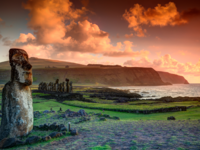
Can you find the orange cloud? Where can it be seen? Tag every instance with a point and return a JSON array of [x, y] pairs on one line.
[[48, 18], [128, 35], [25, 37], [159, 16]]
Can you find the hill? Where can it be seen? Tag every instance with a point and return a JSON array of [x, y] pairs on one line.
[[47, 70], [44, 63]]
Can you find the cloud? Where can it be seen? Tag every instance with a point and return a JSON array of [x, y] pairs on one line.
[[48, 18], [158, 16], [167, 63], [129, 35], [56, 24], [6, 41]]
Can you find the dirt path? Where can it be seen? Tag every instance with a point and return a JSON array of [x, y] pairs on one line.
[[130, 135]]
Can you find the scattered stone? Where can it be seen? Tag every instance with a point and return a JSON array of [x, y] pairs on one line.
[[103, 119], [36, 114], [107, 116], [99, 114], [82, 112], [52, 111], [64, 133], [53, 126], [68, 110], [46, 138], [19, 143], [171, 118], [116, 118], [74, 132], [54, 135], [46, 111], [33, 139]]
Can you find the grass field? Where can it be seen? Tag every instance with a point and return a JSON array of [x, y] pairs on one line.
[[133, 131]]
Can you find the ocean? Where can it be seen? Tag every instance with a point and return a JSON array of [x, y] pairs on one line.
[[154, 92]]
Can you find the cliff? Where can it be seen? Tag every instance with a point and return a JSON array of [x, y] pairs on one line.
[[172, 78]]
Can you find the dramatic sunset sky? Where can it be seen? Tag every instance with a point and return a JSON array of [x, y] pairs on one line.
[[161, 34]]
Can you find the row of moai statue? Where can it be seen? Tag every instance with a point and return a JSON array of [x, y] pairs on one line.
[[59, 87]]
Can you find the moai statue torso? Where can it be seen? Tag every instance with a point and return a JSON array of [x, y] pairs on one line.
[[70, 87], [67, 85], [57, 84], [17, 107], [63, 87]]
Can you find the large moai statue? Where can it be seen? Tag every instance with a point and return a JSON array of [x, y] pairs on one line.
[[17, 105], [67, 85], [70, 87]]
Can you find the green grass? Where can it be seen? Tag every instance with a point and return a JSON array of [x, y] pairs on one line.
[[105, 147], [131, 107], [40, 94], [192, 113]]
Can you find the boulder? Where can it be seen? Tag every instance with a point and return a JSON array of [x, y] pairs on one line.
[[74, 132], [8, 142], [46, 138], [171, 118], [53, 126], [55, 135], [33, 139]]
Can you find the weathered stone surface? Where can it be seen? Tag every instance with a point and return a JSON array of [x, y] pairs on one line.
[[17, 109], [33, 139]]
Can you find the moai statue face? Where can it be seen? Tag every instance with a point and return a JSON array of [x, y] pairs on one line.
[[21, 68]]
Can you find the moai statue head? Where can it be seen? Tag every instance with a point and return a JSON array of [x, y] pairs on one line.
[[67, 80], [57, 81], [21, 69]]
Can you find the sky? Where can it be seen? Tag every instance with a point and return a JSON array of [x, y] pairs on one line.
[[164, 35]]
